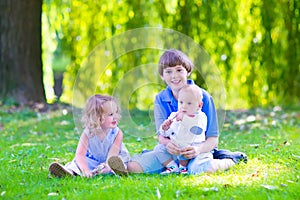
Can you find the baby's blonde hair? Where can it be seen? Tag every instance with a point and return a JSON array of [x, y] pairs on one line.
[[93, 112], [193, 89]]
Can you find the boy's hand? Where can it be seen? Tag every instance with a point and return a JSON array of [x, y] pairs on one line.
[[189, 152], [172, 148]]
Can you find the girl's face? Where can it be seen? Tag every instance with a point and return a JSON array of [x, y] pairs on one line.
[[110, 115], [188, 103], [175, 77]]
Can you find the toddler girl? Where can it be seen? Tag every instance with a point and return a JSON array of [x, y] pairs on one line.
[[100, 148]]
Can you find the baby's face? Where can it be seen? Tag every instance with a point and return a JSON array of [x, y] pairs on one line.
[[188, 103]]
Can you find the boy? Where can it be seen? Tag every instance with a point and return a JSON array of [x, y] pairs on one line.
[[174, 68]]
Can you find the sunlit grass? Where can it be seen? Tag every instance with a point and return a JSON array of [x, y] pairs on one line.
[[30, 141]]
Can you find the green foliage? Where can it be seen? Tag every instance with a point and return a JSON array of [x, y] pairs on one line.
[[30, 141], [255, 46], [8, 102]]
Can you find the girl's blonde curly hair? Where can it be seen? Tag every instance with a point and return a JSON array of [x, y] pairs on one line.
[[93, 112]]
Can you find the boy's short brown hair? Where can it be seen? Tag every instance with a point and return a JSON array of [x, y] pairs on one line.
[[172, 58]]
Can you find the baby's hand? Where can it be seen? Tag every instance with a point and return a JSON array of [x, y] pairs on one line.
[[179, 116], [167, 124]]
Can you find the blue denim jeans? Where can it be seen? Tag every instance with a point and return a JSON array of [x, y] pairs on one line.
[[151, 161]]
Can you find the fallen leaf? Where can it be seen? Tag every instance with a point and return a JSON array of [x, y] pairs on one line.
[[254, 145], [251, 118], [64, 122], [28, 144], [290, 181], [211, 189], [158, 193], [53, 194], [269, 187], [286, 143]]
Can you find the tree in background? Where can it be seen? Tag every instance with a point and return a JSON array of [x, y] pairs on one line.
[[21, 76], [254, 43]]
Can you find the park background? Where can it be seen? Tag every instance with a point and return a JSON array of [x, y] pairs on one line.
[[254, 44]]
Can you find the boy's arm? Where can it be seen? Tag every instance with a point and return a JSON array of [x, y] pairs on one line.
[[212, 129], [158, 115], [209, 144], [163, 140]]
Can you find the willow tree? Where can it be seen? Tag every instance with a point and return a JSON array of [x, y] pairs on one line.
[[20, 46], [255, 46]]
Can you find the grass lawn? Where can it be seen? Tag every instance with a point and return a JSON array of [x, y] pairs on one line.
[[30, 141]]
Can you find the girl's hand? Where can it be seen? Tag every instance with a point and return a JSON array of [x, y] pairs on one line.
[[106, 169], [172, 148], [87, 173], [98, 169], [189, 152]]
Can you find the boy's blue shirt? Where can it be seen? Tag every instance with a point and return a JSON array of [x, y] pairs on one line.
[[165, 104]]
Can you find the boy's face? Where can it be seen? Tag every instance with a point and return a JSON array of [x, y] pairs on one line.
[[175, 77], [188, 103]]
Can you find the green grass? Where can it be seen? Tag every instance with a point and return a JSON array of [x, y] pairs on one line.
[[30, 141]]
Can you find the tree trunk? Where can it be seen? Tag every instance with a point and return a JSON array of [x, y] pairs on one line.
[[21, 77]]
